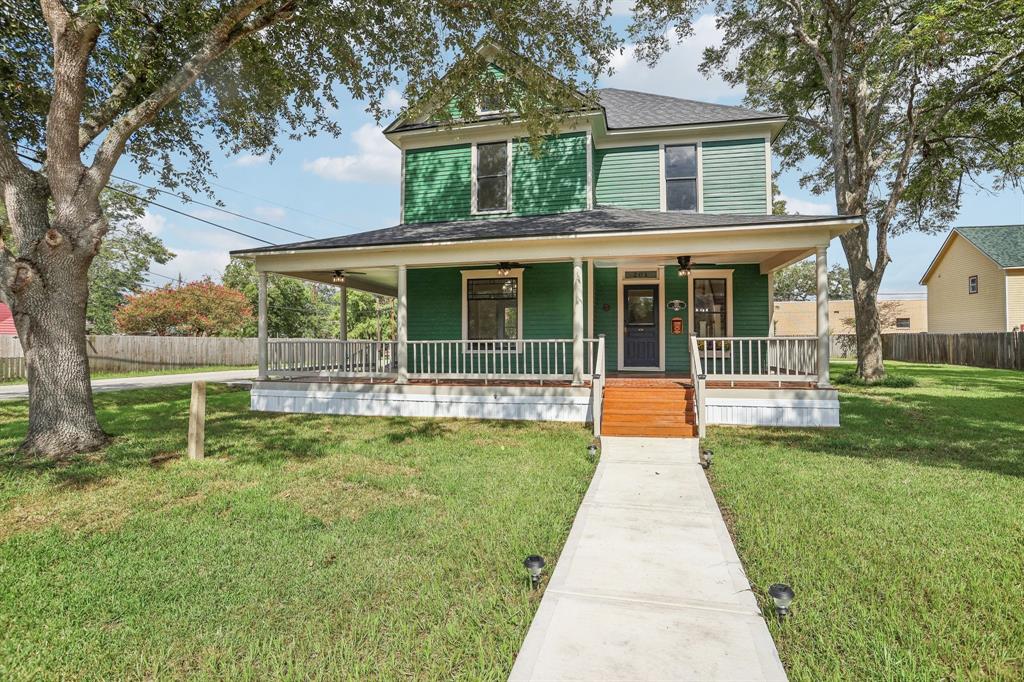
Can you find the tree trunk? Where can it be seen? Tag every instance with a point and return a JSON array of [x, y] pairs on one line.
[[870, 366]]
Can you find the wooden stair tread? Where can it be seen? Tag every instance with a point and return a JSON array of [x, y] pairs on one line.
[[648, 407]]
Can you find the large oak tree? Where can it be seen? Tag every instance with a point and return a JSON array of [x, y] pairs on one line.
[[896, 106], [85, 84]]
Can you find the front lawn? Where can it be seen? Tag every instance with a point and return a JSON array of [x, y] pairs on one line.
[[902, 532], [304, 546]]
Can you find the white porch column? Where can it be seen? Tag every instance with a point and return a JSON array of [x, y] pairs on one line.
[[343, 313], [577, 321], [821, 268], [261, 326], [401, 324]]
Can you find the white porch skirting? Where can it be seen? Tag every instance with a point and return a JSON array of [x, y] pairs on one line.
[[773, 407], [538, 403]]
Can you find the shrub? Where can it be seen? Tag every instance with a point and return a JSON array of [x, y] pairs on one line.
[[890, 380]]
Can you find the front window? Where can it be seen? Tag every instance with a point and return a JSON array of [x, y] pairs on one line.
[[972, 284], [492, 308], [681, 177], [710, 314], [491, 182]]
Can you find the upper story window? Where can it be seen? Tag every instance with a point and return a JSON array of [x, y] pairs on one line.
[[491, 104], [681, 177], [972, 284], [903, 323], [491, 179]]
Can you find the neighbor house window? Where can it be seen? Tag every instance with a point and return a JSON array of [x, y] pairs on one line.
[[491, 179], [492, 307], [681, 177], [710, 307], [972, 284], [903, 323]]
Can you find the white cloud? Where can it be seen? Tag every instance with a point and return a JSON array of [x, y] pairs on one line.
[[393, 99], [209, 214], [200, 250], [153, 223], [247, 160], [270, 212], [805, 207], [676, 73], [622, 8], [376, 161]]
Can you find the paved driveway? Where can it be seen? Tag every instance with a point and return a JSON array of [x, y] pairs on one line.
[[649, 586], [20, 391]]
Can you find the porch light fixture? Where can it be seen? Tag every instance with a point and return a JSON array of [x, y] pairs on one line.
[[338, 277], [534, 564], [684, 265], [705, 458], [782, 594], [504, 268]]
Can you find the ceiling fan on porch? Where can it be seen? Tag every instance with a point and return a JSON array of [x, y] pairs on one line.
[[339, 275]]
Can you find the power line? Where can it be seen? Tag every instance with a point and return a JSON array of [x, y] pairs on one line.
[[146, 200], [290, 208], [189, 199]]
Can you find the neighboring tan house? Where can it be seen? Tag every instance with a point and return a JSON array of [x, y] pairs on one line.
[[976, 281], [797, 318], [602, 280]]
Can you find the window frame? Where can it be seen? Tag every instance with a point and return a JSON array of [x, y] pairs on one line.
[[511, 345], [665, 179], [973, 286], [701, 273], [475, 154]]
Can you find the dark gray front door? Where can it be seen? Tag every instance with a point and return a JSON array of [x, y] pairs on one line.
[[640, 325]]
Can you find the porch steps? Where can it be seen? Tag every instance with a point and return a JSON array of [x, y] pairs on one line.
[[648, 407]]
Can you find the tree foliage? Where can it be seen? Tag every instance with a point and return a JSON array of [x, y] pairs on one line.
[[200, 308], [799, 282], [125, 256], [897, 105]]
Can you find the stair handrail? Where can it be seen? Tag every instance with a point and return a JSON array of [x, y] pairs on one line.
[[699, 380]]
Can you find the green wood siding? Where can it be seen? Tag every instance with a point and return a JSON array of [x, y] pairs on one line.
[[606, 322], [438, 180], [628, 177], [437, 183], [734, 176], [677, 346]]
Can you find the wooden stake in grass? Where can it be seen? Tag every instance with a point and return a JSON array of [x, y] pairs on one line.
[[197, 421]]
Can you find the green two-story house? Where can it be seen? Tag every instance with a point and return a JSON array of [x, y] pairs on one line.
[[623, 276]]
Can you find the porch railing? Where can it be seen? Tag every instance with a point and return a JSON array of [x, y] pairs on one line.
[[782, 358], [699, 385], [331, 357], [526, 359]]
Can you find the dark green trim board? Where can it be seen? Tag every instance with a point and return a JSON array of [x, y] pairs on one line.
[[734, 179], [677, 346], [438, 180], [628, 177]]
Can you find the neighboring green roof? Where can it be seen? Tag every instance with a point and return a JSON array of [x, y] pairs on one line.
[[1002, 243]]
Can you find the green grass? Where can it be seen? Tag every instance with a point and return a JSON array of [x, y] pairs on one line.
[[902, 532], [302, 547], [149, 372]]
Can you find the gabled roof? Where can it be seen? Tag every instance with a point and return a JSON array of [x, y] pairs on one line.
[[1002, 244], [634, 109], [596, 221]]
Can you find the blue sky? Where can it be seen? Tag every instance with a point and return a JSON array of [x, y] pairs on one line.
[[325, 186]]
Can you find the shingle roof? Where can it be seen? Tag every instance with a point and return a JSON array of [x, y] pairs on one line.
[[1002, 243], [633, 109], [596, 221]]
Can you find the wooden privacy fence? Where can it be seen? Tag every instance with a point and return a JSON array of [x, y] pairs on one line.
[[999, 350], [136, 353]]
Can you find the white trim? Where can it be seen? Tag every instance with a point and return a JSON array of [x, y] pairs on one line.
[[492, 274], [659, 282], [768, 172], [700, 273], [661, 179], [401, 193], [590, 298], [628, 137], [508, 179], [590, 170], [700, 176], [771, 303]]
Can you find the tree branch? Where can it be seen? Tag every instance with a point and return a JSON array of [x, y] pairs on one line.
[[228, 31]]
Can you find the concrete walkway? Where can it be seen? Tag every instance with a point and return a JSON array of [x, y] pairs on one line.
[[20, 391], [649, 586]]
